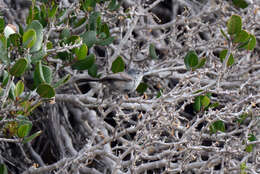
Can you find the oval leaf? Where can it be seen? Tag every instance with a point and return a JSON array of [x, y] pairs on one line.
[[62, 81], [104, 42], [201, 63], [5, 78], [118, 65], [240, 3], [85, 63], [234, 24], [19, 87], [105, 29], [219, 126], [19, 67], [222, 56], [89, 38], [152, 52], [197, 104], [251, 43], [37, 27], [93, 20], [47, 73], [24, 130], [205, 101], [38, 55], [45, 91], [92, 71], [3, 50], [191, 60], [242, 36], [38, 76], [15, 39], [141, 88], [29, 38], [11, 94], [82, 53]]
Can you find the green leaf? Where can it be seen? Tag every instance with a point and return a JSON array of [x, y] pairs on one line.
[[113, 5], [197, 103], [21, 31], [92, 71], [49, 45], [249, 148], [198, 91], [45, 91], [39, 55], [250, 45], [159, 94], [30, 16], [65, 33], [142, 87], [105, 29], [205, 101], [2, 24], [242, 118], [93, 20], [118, 65], [224, 34], [30, 138], [29, 38], [38, 76], [3, 169], [243, 166], [47, 73], [152, 52], [80, 22], [15, 39], [104, 42], [5, 77], [240, 3], [19, 67], [37, 27], [234, 24], [82, 53], [53, 11], [85, 63], [19, 87], [24, 130], [222, 56], [201, 63], [89, 5], [242, 36], [214, 105], [217, 126], [3, 50], [191, 60], [89, 38], [251, 137], [62, 81], [11, 94]]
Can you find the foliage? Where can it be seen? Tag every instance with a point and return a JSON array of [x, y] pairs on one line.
[[35, 68]]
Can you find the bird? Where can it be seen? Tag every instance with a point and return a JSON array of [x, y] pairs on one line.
[[124, 82]]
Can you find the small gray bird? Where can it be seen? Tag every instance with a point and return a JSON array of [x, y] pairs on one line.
[[122, 82]]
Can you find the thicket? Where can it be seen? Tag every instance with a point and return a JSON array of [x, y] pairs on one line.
[[196, 110]]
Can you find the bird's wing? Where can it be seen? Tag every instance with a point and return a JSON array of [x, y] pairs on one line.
[[118, 76]]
